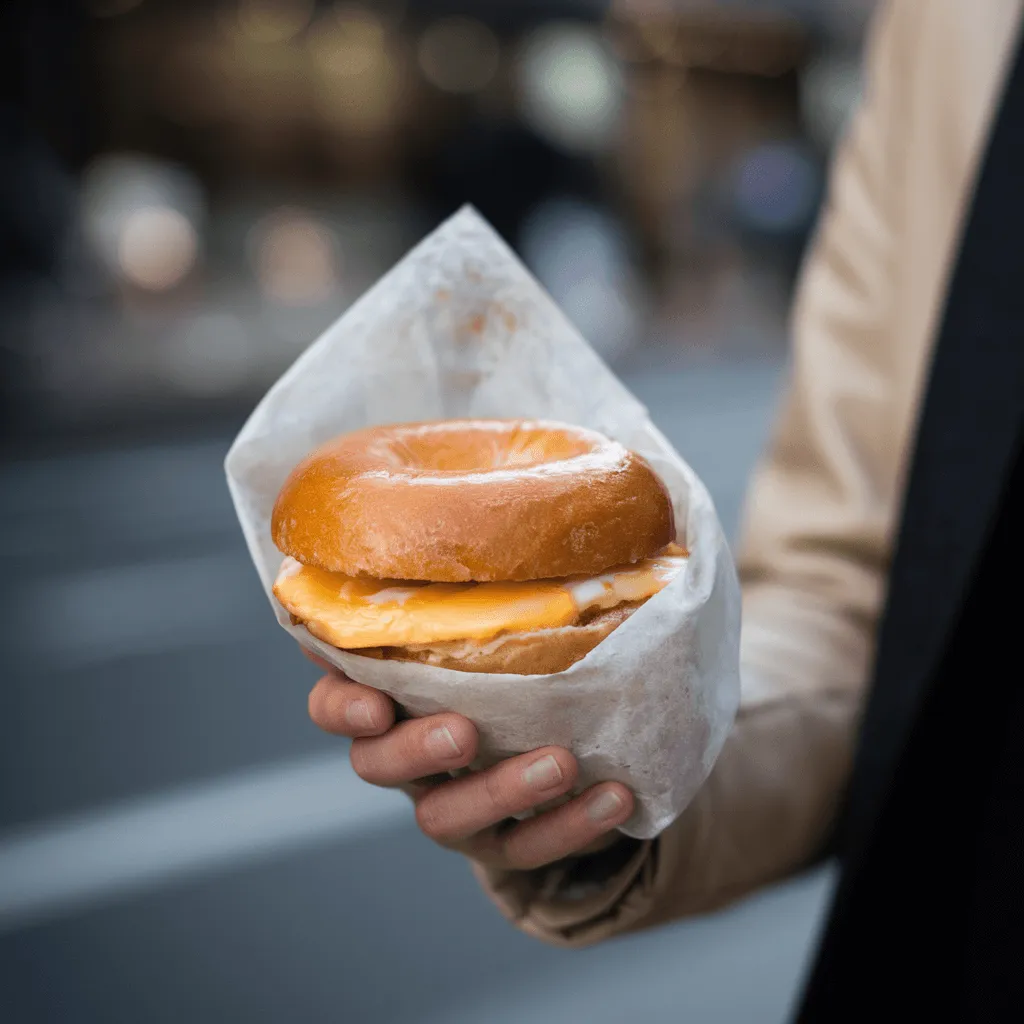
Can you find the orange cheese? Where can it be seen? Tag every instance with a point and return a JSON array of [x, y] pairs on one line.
[[349, 612]]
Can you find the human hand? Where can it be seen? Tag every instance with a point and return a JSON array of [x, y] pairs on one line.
[[473, 813]]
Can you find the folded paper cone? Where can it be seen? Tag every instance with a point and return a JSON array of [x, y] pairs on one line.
[[460, 330]]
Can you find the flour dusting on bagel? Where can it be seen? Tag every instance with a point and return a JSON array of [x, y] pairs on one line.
[[480, 545]]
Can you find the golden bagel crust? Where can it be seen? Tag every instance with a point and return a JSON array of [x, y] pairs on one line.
[[472, 500], [533, 653]]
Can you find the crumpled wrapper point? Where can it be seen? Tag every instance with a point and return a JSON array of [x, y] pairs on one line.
[[459, 328]]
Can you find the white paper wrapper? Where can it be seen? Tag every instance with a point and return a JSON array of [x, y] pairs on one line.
[[460, 328]]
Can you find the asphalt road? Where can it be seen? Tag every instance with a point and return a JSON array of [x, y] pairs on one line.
[[178, 843]]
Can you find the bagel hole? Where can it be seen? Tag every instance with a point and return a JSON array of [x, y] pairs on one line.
[[473, 451]]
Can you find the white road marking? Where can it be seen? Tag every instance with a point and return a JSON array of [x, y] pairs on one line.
[[66, 865]]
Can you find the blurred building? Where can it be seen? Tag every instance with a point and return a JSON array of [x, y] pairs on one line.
[[194, 190]]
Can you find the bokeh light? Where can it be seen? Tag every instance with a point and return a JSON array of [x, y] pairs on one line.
[[459, 55], [348, 42], [358, 85], [143, 218], [295, 258], [157, 247], [579, 253], [570, 85], [776, 188]]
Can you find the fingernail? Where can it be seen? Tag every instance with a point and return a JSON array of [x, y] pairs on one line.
[[604, 806], [359, 716], [543, 773], [442, 743]]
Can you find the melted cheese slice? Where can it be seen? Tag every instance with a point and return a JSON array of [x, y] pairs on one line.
[[353, 613]]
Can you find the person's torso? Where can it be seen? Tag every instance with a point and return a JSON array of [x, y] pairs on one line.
[[930, 912]]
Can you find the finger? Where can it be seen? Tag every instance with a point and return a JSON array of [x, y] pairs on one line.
[[340, 706], [414, 749], [557, 834], [465, 806]]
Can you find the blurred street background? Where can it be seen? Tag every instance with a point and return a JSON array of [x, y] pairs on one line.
[[189, 193]]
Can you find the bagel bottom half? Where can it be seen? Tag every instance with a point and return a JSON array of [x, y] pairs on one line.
[[536, 652]]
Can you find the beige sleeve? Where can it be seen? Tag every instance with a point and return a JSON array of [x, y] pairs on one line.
[[812, 561]]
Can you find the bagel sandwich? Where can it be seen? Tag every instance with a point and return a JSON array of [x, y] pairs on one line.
[[478, 545]]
